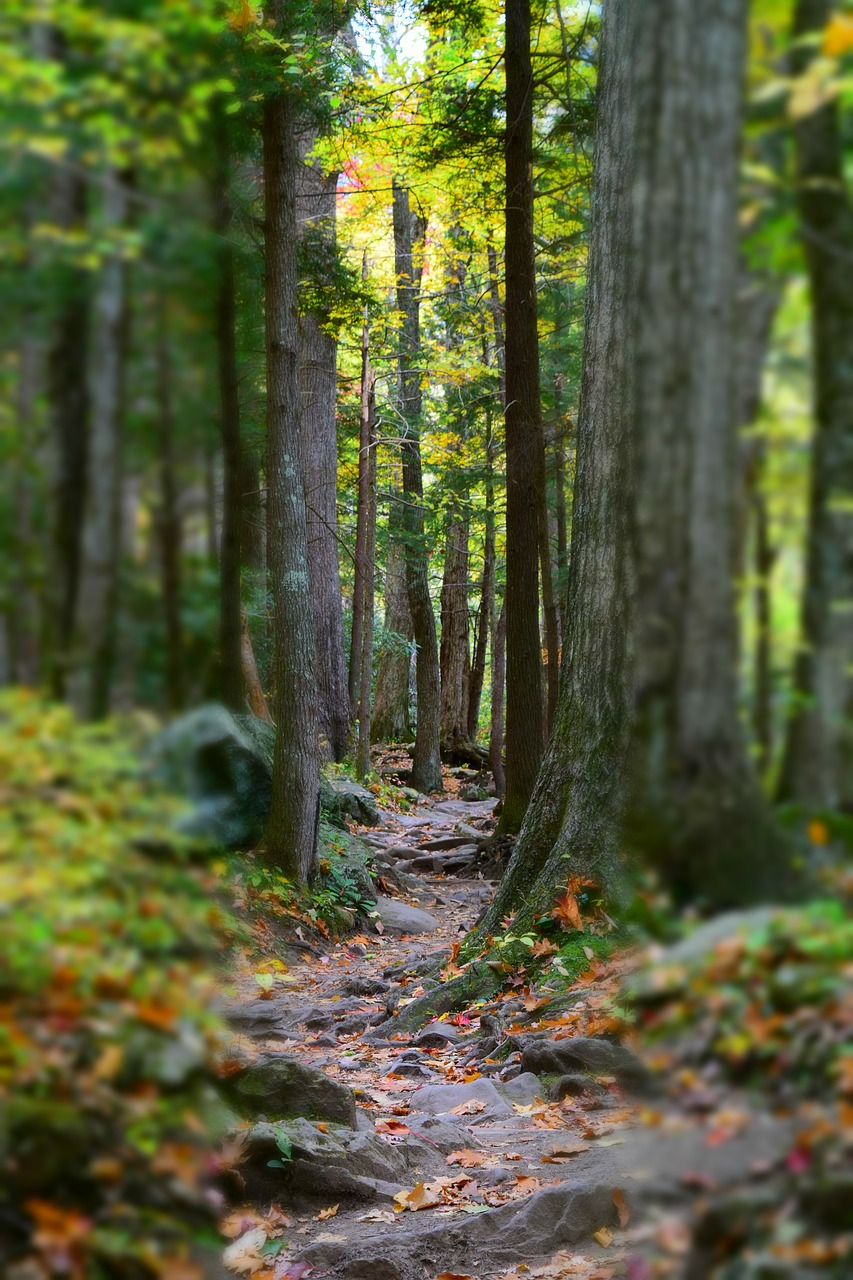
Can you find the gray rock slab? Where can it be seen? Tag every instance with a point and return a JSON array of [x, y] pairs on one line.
[[399, 918], [441, 1099], [523, 1090], [280, 1086], [581, 1053]]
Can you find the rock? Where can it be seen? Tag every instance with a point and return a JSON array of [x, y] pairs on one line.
[[209, 756], [403, 852], [573, 1086], [441, 1099], [436, 1035], [335, 1164], [318, 1020], [537, 1226], [669, 973], [256, 1015], [340, 798], [523, 1089], [443, 842], [366, 986], [481, 837], [412, 1071], [599, 1057], [398, 917], [280, 1086]]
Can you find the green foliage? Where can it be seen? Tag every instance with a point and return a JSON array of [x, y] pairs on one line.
[[110, 926]]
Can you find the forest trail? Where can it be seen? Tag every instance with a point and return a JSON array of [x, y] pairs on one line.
[[454, 1162]]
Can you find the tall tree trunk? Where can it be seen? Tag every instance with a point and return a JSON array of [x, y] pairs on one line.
[[291, 835], [212, 526], [316, 206], [455, 658], [366, 674], [232, 683], [549, 603], [170, 524], [95, 619], [764, 560], [391, 720], [561, 428], [818, 764], [487, 597], [496, 732], [23, 619], [524, 726], [363, 514], [409, 233], [647, 752], [68, 424]]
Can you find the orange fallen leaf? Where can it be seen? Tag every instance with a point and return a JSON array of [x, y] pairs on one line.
[[325, 1214], [622, 1207], [470, 1108], [467, 1159], [604, 1236]]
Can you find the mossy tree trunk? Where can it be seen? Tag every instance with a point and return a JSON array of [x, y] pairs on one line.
[[818, 765], [646, 756], [409, 235], [291, 835]]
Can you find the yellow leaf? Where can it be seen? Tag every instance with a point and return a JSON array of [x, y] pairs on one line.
[[838, 35], [818, 832], [324, 1214], [604, 1236], [245, 16]]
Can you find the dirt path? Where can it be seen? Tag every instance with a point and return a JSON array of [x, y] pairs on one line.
[[494, 1140]]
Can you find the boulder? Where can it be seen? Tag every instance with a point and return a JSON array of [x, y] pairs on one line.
[[210, 758], [223, 764], [598, 1057], [278, 1087], [442, 1099], [399, 918]]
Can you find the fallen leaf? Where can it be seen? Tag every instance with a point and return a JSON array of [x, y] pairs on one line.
[[470, 1108], [393, 1128], [567, 912], [467, 1159], [244, 1255], [622, 1207], [604, 1236], [564, 1151], [327, 1213]]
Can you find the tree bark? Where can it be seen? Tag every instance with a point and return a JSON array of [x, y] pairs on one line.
[[524, 721], [647, 753], [316, 209], [366, 654], [818, 765], [169, 524], [496, 731], [485, 613], [561, 428], [409, 233], [362, 516], [95, 620], [291, 835], [455, 658], [68, 425], [232, 684], [391, 719], [255, 696]]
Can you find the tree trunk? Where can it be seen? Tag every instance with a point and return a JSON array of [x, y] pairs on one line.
[[68, 423], [561, 428], [647, 752], [24, 614], [409, 233], [524, 722], [255, 696], [232, 685], [764, 560], [318, 383], [455, 656], [485, 614], [496, 734], [366, 655], [95, 619], [391, 720], [362, 515], [818, 765], [291, 835], [170, 525]]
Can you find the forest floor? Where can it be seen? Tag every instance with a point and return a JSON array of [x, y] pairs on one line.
[[520, 1137]]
